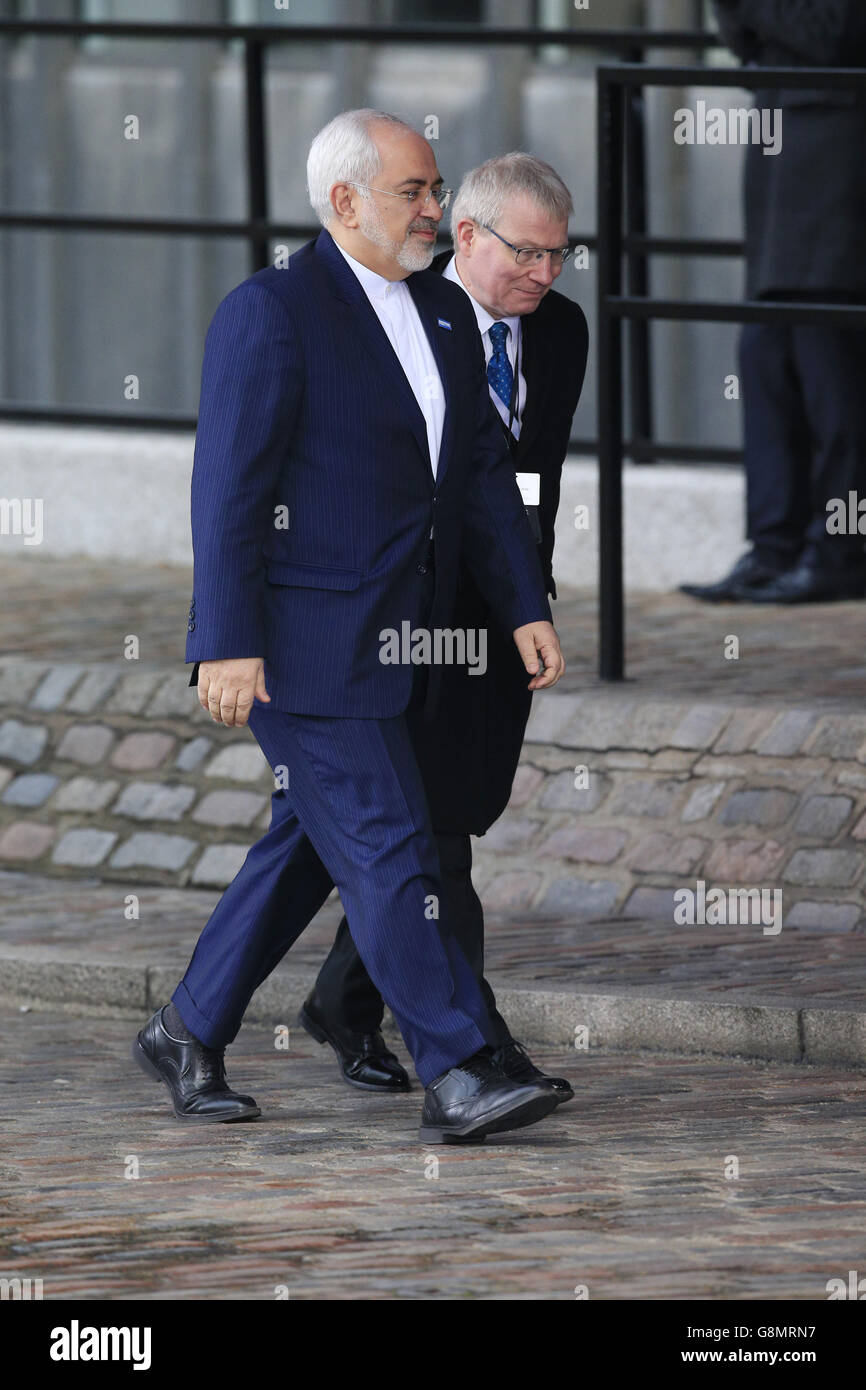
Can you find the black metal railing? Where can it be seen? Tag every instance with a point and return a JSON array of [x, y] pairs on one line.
[[615, 308], [258, 230]]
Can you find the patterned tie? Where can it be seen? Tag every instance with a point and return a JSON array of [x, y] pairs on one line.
[[500, 374]]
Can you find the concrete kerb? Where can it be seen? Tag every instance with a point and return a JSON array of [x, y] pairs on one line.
[[627, 1020]]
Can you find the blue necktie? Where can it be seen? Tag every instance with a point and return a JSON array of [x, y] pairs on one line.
[[500, 374]]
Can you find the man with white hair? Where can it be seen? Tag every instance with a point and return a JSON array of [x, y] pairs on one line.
[[345, 453], [508, 214]]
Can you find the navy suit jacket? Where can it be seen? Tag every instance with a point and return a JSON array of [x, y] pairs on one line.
[[307, 416]]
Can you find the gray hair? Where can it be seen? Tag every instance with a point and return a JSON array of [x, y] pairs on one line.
[[344, 151], [485, 191]]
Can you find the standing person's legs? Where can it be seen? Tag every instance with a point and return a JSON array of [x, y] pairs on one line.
[[357, 798], [831, 364], [777, 445]]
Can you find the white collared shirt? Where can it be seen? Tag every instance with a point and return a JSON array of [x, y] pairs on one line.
[[485, 319], [395, 310]]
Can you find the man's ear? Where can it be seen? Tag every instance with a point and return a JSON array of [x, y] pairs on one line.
[[467, 235], [341, 202]]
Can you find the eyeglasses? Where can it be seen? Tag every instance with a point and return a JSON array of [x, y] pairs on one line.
[[413, 196], [528, 255]]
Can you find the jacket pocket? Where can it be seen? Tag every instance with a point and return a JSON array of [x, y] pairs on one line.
[[311, 576]]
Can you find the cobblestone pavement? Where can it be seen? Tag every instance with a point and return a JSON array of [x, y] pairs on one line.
[[74, 609], [329, 1195], [73, 922]]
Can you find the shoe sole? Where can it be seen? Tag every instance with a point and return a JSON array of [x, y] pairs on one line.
[[317, 1034], [140, 1056], [507, 1117]]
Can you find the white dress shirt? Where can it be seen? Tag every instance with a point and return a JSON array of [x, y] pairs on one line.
[[485, 319], [395, 310]]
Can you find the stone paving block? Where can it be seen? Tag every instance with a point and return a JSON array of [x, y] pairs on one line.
[[5, 776], [153, 801], [560, 793], [173, 696], [229, 808], [30, 789], [85, 794], [599, 726], [85, 743], [626, 759], [764, 806], [743, 730], [859, 831], [22, 743], [153, 851], [837, 736], [549, 718], [510, 833], [787, 733], [527, 780], [94, 689], [133, 692], [665, 853], [824, 868], [219, 864], [651, 904], [744, 862], [26, 840], [239, 762], [580, 898], [83, 848], [53, 689], [645, 796], [823, 816], [834, 1036], [702, 801], [837, 917], [512, 891], [701, 727], [140, 752], [593, 845], [651, 725], [192, 753], [18, 680]]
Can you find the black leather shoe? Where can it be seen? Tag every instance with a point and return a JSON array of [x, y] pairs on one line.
[[363, 1057], [194, 1074], [516, 1063], [810, 584], [476, 1098], [745, 579]]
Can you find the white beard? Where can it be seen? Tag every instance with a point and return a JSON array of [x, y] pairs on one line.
[[407, 255]]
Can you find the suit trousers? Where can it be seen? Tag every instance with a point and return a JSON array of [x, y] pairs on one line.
[[355, 815], [804, 409], [348, 997]]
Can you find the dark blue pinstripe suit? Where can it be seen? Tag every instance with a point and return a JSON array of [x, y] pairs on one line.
[[305, 407]]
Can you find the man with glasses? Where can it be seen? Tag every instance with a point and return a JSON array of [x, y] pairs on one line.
[[348, 394], [510, 233]]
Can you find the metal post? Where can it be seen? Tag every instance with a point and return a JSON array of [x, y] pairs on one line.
[[640, 395], [609, 156], [257, 185]]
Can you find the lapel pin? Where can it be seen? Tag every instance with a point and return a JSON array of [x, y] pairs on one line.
[[443, 323]]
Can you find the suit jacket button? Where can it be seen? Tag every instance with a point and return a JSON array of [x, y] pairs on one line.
[[421, 569], [191, 627]]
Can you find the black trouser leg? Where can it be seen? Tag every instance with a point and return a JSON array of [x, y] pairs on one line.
[[345, 993], [777, 445]]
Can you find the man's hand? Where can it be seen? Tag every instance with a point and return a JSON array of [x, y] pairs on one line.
[[227, 688], [535, 640]]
